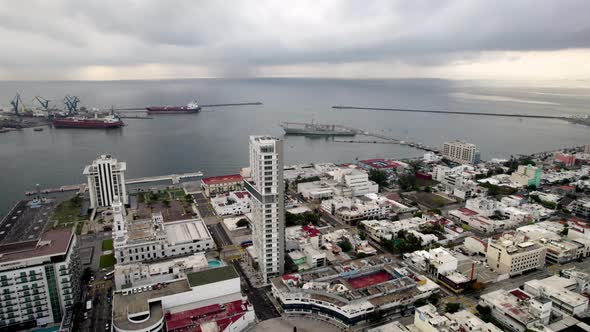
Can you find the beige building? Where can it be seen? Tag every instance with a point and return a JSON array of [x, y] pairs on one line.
[[587, 148], [461, 152], [527, 175], [511, 255]]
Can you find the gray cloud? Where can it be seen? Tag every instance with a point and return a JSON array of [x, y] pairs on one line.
[[238, 36]]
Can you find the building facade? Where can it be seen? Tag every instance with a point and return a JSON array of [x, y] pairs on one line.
[[509, 255], [527, 175], [461, 152], [106, 180], [221, 184], [39, 282], [266, 189]]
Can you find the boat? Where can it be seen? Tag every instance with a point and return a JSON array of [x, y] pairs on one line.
[[316, 129], [38, 129], [107, 122], [192, 107]]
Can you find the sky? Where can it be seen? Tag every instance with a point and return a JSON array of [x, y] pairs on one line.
[[157, 39]]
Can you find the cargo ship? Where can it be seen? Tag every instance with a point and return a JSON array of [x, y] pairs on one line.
[[316, 129], [192, 107], [107, 122]]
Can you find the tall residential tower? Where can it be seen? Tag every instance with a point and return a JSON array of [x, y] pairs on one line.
[[266, 189], [106, 179]]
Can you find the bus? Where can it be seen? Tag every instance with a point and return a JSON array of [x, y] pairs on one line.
[[88, 305], [109, 275]]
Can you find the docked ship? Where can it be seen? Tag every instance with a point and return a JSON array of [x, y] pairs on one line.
[[107, 122], [192, 107], [316, 129]]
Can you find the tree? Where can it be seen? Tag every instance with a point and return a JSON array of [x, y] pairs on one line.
[[375, 316], [407, 182], [532, 187], [434, 298], [427, 189], [345, 245], [565, 231], [362, 235], [452, 307], [243, 223], [379, 177]]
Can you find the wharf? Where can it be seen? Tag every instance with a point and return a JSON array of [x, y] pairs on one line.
[[175, 178]]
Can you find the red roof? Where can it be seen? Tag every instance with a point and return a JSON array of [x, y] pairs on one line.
[[311, 231], [191, 320], [485, 244], [369, 280], [380, 163], [241, 194], [467, 211], [520, 294], [222, 179]]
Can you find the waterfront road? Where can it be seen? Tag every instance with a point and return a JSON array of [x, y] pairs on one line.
[[262, 305]]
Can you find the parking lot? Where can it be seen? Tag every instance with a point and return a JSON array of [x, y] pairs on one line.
[[203, 206]]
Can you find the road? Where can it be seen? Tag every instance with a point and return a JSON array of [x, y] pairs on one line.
[[262, 305], [219, 235], [205, 209]]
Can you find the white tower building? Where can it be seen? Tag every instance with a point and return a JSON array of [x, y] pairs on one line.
[[120, 226], [266, 189], [106, 179]]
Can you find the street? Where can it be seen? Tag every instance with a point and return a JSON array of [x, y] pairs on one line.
[[262, 305]]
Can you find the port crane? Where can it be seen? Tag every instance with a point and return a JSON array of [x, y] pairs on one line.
[[71, 103], [16, 103], [43, 102]]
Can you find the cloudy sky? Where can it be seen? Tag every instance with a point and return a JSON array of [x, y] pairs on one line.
[[148, 39]]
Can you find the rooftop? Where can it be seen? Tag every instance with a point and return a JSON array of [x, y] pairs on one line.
[[55, 242], [222, 179], [222, 314], [25, 221], [213, 275]]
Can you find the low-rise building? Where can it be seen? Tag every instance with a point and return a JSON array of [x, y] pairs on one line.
[[474, 244], [518, 310], [233, 204], [564, 300], [581, 208], [346, 294], [512, 255], [352, 210], [561, 251], [476, 221], [221, 184], [386, 229], [484, 206], [582, 280], [205, 300], [565, 159], [427, 319], [357, 180]]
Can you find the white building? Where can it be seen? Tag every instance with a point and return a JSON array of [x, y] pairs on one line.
[[106, 180], [427, 319], [476, 221], [517, 310], [581, 208], [484, 206], [386, 229], [527, 175], [221, 184], [357, 180], [141, 274], [233, 204], [209, 300], [351, 210], [150, 239], [511, 255], [39, 280], [558, 290], [461, 152], [266, 189], [475, 245]]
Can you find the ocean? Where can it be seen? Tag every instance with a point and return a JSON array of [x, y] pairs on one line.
[[215, 140]]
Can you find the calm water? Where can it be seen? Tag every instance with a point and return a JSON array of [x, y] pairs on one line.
[[215, 141]]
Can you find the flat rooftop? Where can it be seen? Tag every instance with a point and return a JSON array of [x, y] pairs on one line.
[[185, 232], [55, 242], [25, 221], [223, 314], [212, 275], [177, 210]]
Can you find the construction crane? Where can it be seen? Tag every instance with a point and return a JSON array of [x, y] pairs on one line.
[[71, 103], [44, 102], [16, 103]]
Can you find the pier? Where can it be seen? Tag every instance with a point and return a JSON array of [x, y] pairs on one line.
[[174, 178], [534, 116], [143, 108]]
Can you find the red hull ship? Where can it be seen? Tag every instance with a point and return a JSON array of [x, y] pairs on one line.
[[89, 123], [192, 107]]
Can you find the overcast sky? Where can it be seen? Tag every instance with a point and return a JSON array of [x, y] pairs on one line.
[[144, 39]]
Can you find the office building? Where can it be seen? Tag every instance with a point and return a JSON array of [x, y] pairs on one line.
[[512, 255], [266, 189], [517, 310], [150, 239], [565, 301], [357, 180], [527, 175], [461, 152], [106, 179], [581, 208]]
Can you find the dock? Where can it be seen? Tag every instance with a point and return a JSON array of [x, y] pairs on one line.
[[384, 139], [511, 115], [143, 108], [81, 188]]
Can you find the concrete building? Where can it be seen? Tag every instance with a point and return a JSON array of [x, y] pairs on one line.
[[565, 159], [475, 245], [150, 239], [357, 180], [562, 251], [142, 274], [352, 210], [512, 255], [266, 190], [587, 148], [221, 184], [461, 152], [323, 189], [527, 175], [346, 294], [476, 221], [427, 319], [518, 310], [106, 180], [39, 280], [581, 279], [387, 229], [209, 300], [233, 204], [581, 208], [564, 300]]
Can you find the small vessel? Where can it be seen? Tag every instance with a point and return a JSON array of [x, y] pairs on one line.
[[192, 107], [38, 129], [316, 129], [107, 122]]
